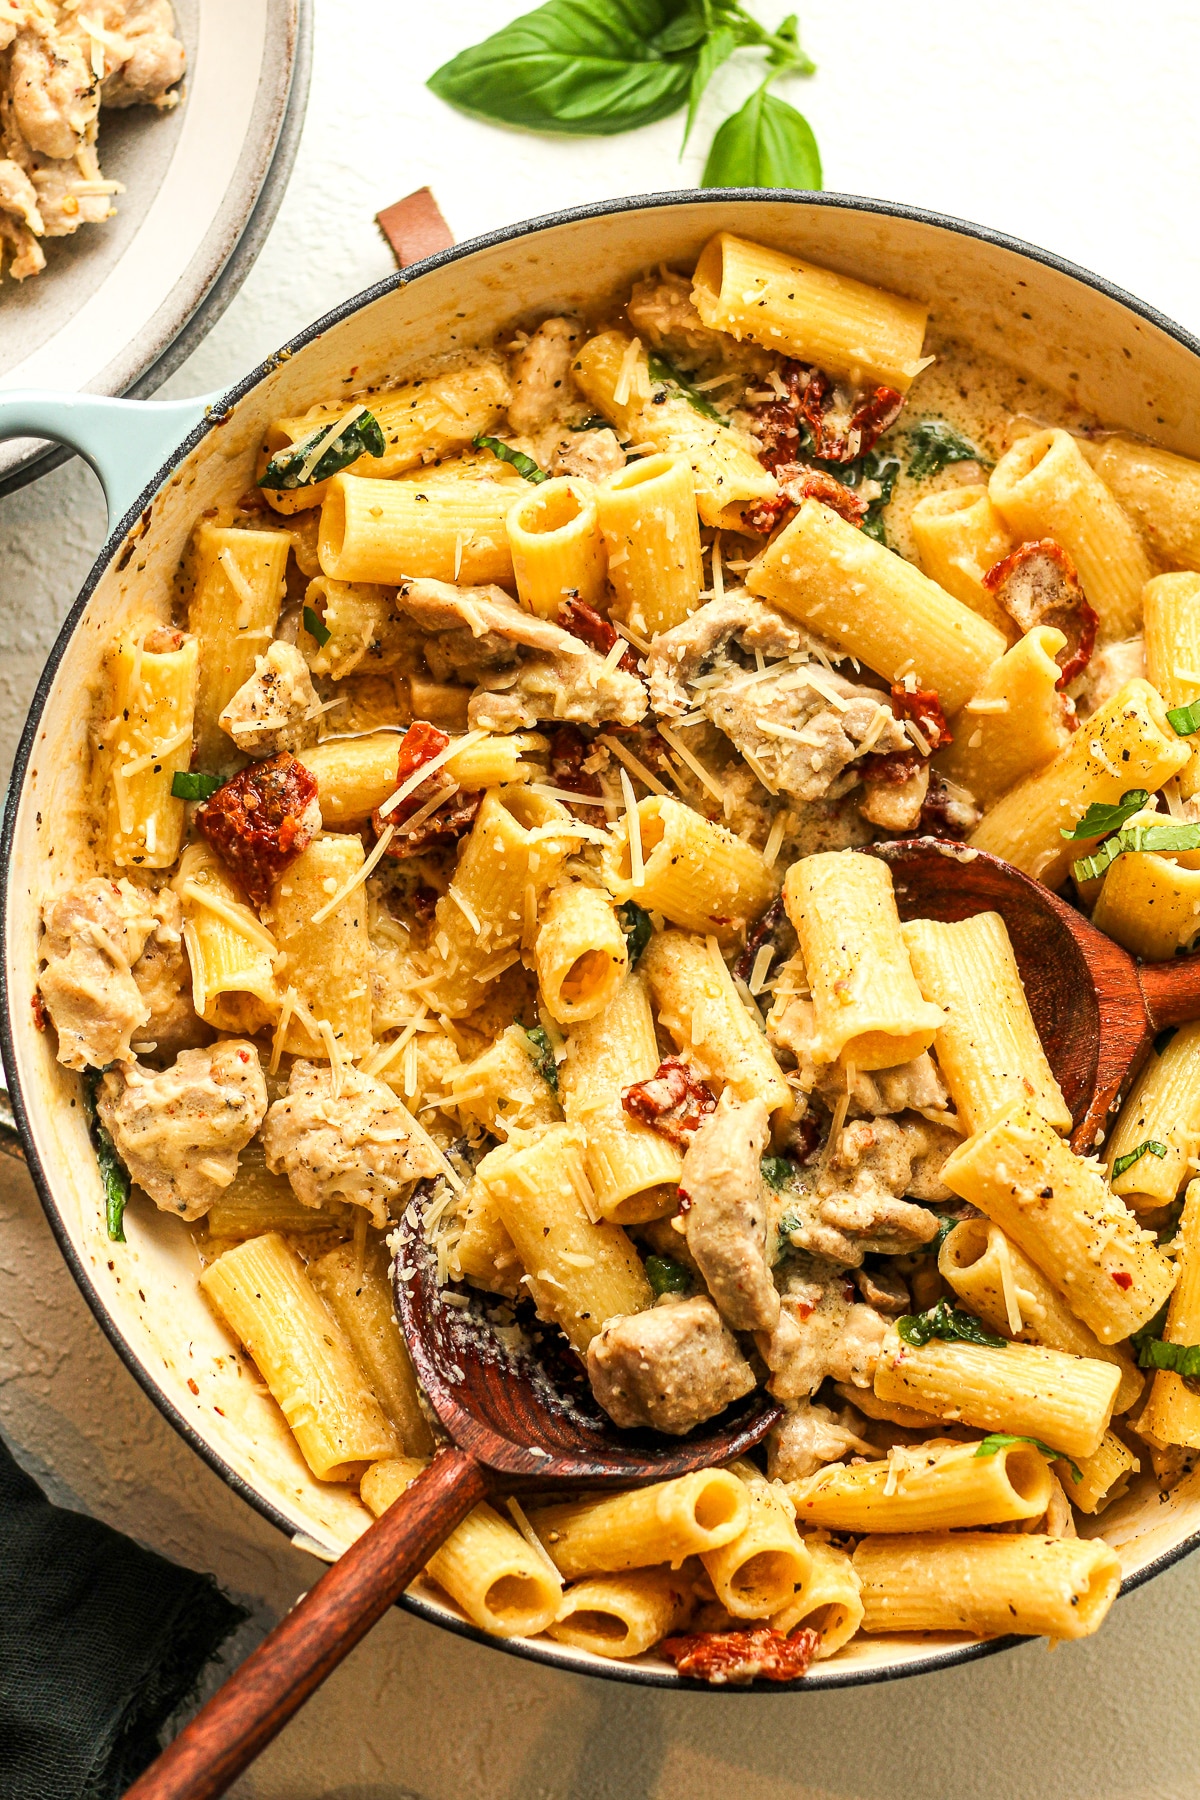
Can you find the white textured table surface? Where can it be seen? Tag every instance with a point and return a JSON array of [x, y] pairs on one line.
[[1071, 125]]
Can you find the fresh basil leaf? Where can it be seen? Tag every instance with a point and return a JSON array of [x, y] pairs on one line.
[[666, 1276], [1152, 1329], [1127, 1161], [1179, 1359], [1100, 819], [945, 1227], [886, 471], [636, 924], [517, 459], [934, 445], [541, 1053], [578, 67], [683, 33], [668, 375], [768, 144], [316, 627], [114, 1176], [1184, 720], [1000, 1440], [948, 1322], [1135, 838], [193, 784], [777, 1171], [716, 49], [361, 436]]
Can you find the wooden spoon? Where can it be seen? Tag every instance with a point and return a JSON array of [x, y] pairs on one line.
[[521, 1415], [1097, 1010]]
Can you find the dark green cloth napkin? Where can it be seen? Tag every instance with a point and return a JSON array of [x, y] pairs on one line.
[[100, 1642]]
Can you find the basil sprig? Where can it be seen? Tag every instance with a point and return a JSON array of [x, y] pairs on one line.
[[193, 784], [1000, 1440], [517, 459], [589, 68], [1101, 818], [1184, 720], [948, 1322], [114, 1177], [316, 626], [1134, 838], [360, 436], [934, 445], [666, 374], [1127, 1161]]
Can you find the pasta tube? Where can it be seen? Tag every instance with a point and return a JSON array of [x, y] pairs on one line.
[[502, 1090], [1171, 626], [1160, 492], [1045, 487], [231, 953], [1163, 1109], [647, 1526], [357, 1290], [557, 549], [1060, 1211], [485, 1565], [696, 1001], [623, 1615], [580, 952], [960, 536], [867, 1006], [237, 590], [828, 1603], [926, 1489], [580, 1273], [1128, 742], [390, 531], [652, 535], [998, 1283], [1066, 1401], [363, 628], [1150, 904], [1172, 1415], [355, 775], [853, 330], [697, 873], [987, 1046], [987, 1583], [262, 1292], [1014, 725], [146, 742], [327, 964], [758, 1572], [1105, 1476], [256, 1201], [875, 606]]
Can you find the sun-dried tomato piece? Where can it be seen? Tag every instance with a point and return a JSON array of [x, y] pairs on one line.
[[436, 826], [874, 410], [1038, 584], [893, 767], [672, 1102], [947, 811], [41, 1018], [817, 416], [773, 928], [261, 819], [797, 483], [568, 750], [722, 1657], [583, 621], [419, 745], [924, 708]]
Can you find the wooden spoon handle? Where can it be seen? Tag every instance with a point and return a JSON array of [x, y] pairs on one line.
[[276, 1679], [1171, 991]]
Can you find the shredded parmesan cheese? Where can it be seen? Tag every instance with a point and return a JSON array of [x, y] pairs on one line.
[[531, 1537], [698, 769], [624, 379], [637, 866], [1012, 1305], [285, 1019], [430, 768], [357, 879], [241, 587], [326, 438], [239, 918], [634, 764]]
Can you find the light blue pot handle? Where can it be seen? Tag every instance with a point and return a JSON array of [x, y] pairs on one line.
[[125, 441]]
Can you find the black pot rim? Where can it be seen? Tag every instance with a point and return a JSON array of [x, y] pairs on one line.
[[821, 1679]]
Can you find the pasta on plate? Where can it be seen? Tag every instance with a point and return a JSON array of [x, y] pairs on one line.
[[491, 826]]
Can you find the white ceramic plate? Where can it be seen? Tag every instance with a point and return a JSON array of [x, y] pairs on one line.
[[115, 298]]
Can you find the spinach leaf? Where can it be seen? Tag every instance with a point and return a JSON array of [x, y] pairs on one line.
[[193, 784], [316, 627], [635, 923], [666, 373], [1150, 1331], [114, 1176], [1100, 819], [934, 445], [1127, 1161], [1000, 1440], [360, 436], [948, 1322], [666, 1276], [788, 1223], [541, 1053], [946, 1225], [877, 466], [1184, 720], [517, 459], [1179, 1359], [777, 1171], [767, 144], [1136, 837], [579, 67]]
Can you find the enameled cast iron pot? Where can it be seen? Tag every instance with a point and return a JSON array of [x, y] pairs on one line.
[[163, 464]]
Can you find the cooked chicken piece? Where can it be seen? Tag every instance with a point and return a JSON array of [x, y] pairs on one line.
[[726, 1213], [164, 980], [26, 255], [356, 1145], [277, 709], [543, 387], [809, 1435], [179, 1133], [791, 1026], [803, 723], [14, 16], [589, 455], [669, 1368], [93, 935], [896, 805], [55, 95], [822, 1331], [852, 1206], [151, 58], [18, 196], [915, 1086], [562, 679], [884, 1290], [661, 312], [1109, 670]]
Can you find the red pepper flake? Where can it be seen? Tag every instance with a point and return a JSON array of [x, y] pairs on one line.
[[1038, 584], [722, 1657], [41, 1018], [1123, 1280], [261, 819], [672, 1102], [421, 743], [192, 1385], [584, 622]]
